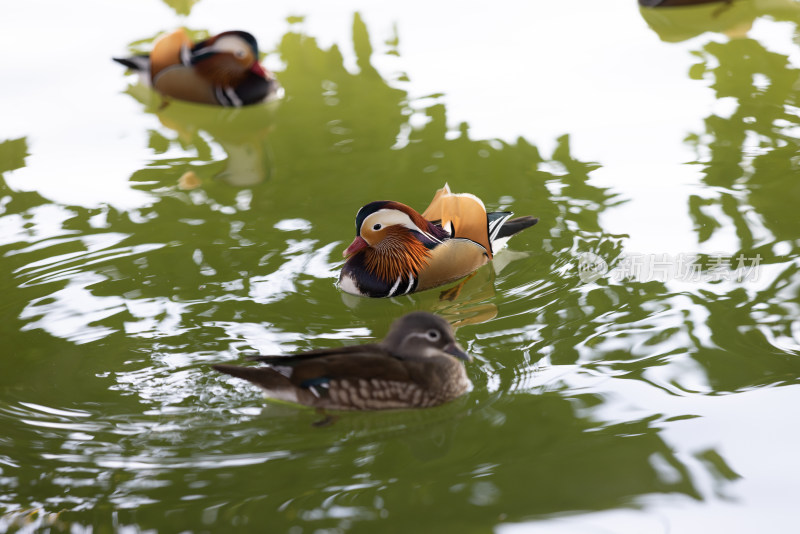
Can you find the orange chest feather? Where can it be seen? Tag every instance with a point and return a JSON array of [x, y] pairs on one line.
[[221, 70], [396, 256]]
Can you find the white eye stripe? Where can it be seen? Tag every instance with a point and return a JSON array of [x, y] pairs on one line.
[[430, 335], [230, 44], [389, 217]]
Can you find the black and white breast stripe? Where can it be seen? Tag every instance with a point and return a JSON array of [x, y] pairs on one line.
[[412, 284], [227, 96]]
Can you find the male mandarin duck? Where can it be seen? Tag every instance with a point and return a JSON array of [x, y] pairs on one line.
[[398, 251], [222, 70], [415, 366]]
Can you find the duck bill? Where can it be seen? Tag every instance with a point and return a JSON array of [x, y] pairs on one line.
[[357, 244], [455, 349], [258, 70]]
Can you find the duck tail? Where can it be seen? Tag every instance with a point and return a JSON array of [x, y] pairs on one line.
[[137, 63], [274, 384], [514, 226]]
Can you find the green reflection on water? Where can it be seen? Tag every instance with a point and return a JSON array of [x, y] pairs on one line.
[[112, 317], [733, 18], [751, 162]]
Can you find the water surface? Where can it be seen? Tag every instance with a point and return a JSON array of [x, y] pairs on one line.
[[637, 352]]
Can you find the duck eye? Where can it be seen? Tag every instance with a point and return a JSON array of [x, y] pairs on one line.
[[376, 227], [240, 53], [433, 335]]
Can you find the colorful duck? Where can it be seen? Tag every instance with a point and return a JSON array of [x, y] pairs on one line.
[[415, 366], [398, 251], [223, 70]]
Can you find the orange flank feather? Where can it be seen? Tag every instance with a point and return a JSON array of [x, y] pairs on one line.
[[167, 51], [396, 255], [464, 212]]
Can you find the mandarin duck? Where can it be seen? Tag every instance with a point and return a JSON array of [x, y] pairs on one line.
[[222, 70], [398, 251], [415, 366]]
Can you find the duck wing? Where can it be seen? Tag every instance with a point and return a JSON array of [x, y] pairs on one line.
[[294, 359], [318, 367]]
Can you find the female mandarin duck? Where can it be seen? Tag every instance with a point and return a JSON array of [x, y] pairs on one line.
[[222, 70], [416, 366], [398, 251]]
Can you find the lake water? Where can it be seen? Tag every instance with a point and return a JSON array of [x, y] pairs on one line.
[[637, 353]]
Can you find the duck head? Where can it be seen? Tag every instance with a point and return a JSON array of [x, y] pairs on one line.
[[422, 335], [228, 58], [392, 239]]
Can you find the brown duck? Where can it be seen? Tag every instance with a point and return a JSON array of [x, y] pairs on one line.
[[415, 366]]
